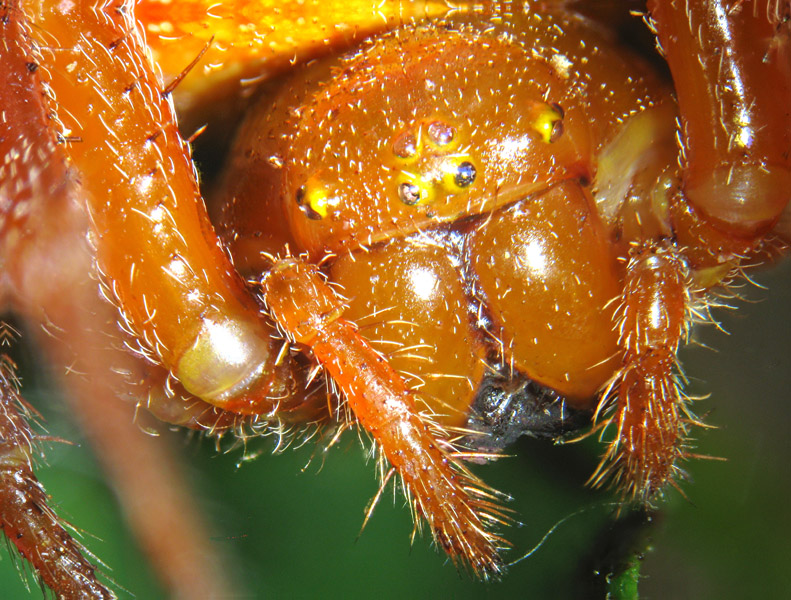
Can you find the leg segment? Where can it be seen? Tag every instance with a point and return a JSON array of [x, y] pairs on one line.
[[457, 507], [47, 276], [732, 71], [154, 244], [25, 516], [252, 39], [651, 415]]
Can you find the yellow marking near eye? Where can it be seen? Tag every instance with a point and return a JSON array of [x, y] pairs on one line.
[[316, 201], [548, 121], [321, 202]]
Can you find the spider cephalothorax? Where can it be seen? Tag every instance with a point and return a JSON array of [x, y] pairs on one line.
[[480, 225]]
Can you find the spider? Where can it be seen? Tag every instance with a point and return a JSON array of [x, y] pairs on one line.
[[624, 256]]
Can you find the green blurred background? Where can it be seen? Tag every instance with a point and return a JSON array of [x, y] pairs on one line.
[[292, 532]]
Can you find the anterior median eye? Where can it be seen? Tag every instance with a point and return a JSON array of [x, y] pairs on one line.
[[465, 174], [415, 191]]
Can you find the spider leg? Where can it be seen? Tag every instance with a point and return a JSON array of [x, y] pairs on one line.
[[156, 251], [458, 508], [651, 415], [730, 65], [247, 41], [27, 520], [46, 275], [25, 515]]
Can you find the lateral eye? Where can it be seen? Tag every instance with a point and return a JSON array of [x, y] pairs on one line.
[[315, 201], [547, 121]]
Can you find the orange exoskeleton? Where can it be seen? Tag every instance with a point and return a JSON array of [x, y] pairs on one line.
[[488, 221]]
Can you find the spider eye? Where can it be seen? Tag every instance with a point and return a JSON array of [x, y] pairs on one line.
[[405, 145], [441, 133], [409, 193], [547, 121], [416, 192], [465, 174], [315, 201]]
